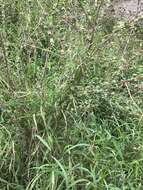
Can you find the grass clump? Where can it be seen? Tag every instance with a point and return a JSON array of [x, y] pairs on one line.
[[70, 98]]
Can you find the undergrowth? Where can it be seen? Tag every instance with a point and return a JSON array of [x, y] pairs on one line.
[[70, 98]]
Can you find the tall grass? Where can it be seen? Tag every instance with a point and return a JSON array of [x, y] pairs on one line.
[[70, 98]]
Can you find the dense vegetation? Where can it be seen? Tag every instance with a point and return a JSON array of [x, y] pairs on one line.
[[71, 98]]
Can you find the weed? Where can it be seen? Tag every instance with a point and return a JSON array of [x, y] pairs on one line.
[[70, 98]]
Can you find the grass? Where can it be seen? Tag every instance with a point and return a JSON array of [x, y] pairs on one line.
[[70, 98]]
